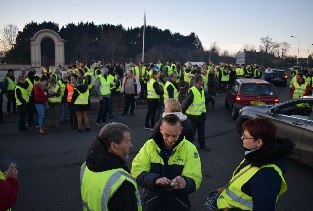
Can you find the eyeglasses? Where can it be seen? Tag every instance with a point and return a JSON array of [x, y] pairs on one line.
[[245, 137]]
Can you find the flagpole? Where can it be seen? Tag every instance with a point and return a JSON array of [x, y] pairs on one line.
[[143, 38]]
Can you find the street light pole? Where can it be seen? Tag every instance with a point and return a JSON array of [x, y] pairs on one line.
[[307, 61], [298, 49]]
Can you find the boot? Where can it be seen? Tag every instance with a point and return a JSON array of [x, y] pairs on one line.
[[42, 131]]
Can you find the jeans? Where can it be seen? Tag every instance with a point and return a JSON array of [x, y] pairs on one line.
[[63, 111], [103, 110], [73, 118], [41, 109]]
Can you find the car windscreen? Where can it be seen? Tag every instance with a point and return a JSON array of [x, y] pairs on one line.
[[278, 72], [257, 89]]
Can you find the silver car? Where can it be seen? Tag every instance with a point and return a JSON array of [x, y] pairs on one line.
[[294, 120]]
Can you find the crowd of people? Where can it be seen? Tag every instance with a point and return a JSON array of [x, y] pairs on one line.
[[168, 165]]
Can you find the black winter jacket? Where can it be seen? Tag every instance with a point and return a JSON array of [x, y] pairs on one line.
[[99, 159]]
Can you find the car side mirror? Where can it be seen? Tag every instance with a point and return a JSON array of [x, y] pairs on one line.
[[272, 112]]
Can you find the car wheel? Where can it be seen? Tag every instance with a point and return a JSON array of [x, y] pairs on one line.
[[234, 113], [226, 105]]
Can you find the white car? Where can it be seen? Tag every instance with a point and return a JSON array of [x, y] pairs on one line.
[[295, 68]]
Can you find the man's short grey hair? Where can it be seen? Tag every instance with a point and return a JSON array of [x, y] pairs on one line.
[[113, 132]]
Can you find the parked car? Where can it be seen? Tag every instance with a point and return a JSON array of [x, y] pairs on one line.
[[294, 120], [278, 77], [295, 68], [249, 92]]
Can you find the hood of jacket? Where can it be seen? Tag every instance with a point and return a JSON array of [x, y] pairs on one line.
[[276, 153], [100, 159], [81, 88], [180, 115], [23, 85]]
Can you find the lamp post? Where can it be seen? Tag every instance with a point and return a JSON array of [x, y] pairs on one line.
[[307, 61], [213, 45], [298, 49]]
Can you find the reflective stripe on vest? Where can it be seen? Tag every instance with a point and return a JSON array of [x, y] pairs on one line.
[[167, 84], [111, 182], [55, 99], [12, 84], [82, 98], [299, 90], [104, 85], [70, 92], [151, 91], [197, 106], [232, 196], [24, 95]]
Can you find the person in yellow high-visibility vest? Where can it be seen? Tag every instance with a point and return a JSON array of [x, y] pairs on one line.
[[153, 98], [80, 104], [10, 84], [142, 74], [105, 180], [22, 100], [102, 88], [171, 88], [299, 88], [168, 167], [194, 107], [258, 181], [54, 102]]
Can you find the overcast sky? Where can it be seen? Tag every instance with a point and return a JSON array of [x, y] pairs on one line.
[[229, 23]]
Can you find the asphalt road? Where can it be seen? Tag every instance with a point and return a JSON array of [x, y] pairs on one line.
[[50, 164]]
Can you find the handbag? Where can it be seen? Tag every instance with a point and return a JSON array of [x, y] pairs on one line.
[[211, 200]]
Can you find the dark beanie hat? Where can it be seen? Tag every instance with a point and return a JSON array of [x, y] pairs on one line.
[[10, 70]]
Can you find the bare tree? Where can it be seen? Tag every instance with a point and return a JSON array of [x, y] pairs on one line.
[[113, 42], [225, 53], [248, 47], [266, 44], [85, 46], [276, 48], [8, 36], [284, 48]]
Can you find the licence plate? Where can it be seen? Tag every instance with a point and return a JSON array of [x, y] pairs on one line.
[[256, 102]]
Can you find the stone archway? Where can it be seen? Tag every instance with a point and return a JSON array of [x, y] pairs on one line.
[[35, 47]]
